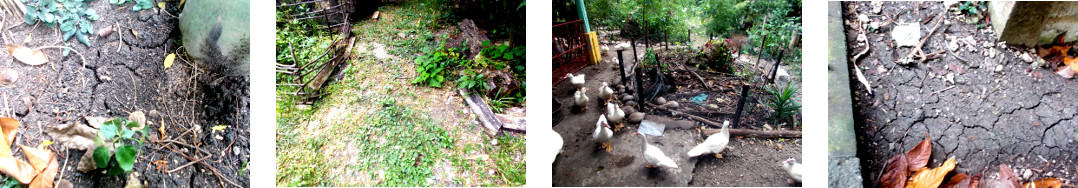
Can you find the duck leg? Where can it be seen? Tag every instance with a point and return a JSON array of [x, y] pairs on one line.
[[718, 156], [608, 147]]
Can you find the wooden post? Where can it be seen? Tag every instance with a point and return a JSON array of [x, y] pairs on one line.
[[666, 40], [621, 67], [639, 88], [741, 105], [760, 55], [774, 70]]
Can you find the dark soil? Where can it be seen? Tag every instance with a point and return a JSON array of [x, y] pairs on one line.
[[750, 161], [1018, 116], [120, 77]]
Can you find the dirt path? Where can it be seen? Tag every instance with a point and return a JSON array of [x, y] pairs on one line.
[[982, 116], [582, 163], [124, 76]]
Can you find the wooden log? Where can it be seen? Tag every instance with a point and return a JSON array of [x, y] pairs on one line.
[[690, 116], [482, 110], [755, 133]]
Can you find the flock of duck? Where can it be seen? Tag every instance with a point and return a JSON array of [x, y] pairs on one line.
[[655, 157]]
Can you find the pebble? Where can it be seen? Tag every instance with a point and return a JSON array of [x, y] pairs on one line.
[[660, 100], [1027, 173], [672, 104], [999, 68], [630, 103], [636, 117]]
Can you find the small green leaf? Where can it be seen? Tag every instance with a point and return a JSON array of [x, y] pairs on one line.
[[101, 157], [108, 130], [82, 38], [127, 133], [132, 124], [125, 155]]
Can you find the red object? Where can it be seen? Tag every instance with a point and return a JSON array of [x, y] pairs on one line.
[[570, 51]]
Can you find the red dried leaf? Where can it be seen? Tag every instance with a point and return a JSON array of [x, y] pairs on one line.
[[974, 182], [1007, 177], [919, 155], [894, 176], [1045, 183], [956, 180]]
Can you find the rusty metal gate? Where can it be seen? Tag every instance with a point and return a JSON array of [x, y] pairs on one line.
[[570, 49]]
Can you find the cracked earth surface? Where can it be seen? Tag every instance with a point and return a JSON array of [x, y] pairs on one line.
[[124, 74], [1020, 115]]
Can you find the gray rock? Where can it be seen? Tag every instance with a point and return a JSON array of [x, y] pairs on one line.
[[672, 104], [636, 117], [660, 100]]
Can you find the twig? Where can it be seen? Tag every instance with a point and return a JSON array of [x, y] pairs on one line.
[[215, 171], [69, 48], [188, 164], [918, 51], [861, 78]]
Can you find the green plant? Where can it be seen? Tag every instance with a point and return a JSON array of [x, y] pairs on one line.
[[782, 101], [115, 135], [73, 17], [10, 182], [472, 80], [972, 7], [139, 4]]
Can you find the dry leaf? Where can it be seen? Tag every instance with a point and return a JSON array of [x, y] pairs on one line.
[[139, 118], [956, 179], [930, 178], [39, 158], [169, 59], [1045, 183], [86, 163], [27, 55], [96, 122], [1007, 177], [1065, 72], [73, 135], [895, 174], [972, 182], [919, 155], [1071, 62], [10, 128], [46, 177], [19, 169]]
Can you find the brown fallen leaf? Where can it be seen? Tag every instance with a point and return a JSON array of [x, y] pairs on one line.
[[894, 175], [27, 55], [39, 158], [73, 135], [1007, 177], [46, 177], [931, 178], [1071, 62], [956, 179], [1045, 183], [10, 127], [973, 182], [919, 155]]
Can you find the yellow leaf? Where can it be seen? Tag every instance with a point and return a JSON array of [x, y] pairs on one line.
[[168, 60], [161, 4], [39, 158], [46, 143], [1045, 183], [928, 178], [220, 127], [10, 127], [27, 55]]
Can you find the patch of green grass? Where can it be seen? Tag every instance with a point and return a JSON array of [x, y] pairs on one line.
[[402, 144], [305, 166], [511, 171]]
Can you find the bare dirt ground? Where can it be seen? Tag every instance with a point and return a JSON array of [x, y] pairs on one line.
[[747, 161], [124, 76], [981, 115]]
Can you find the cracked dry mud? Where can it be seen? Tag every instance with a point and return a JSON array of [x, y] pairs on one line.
[[1018, 116], [123, 76]]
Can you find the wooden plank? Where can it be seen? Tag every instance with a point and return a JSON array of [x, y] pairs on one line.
[[486, 117], [320, 79]]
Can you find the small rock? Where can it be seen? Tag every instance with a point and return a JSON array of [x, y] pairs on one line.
[[713, 106], [8, 76], [877, 7], [105, 32], [1027, 173], [153, 114], [660, 100], [1049, 174], [630, 103], [999, 68], [132, 180], [236, 150], [672, 104], [626, 98], [629, 109], [636, 117], [64, 184], [1026, 57], [401, 35], [863, 18]]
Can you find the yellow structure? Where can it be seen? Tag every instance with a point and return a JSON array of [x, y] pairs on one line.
[[594, 55]]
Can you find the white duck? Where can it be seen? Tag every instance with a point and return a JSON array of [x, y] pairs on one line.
[[577, 80], [654, 156], [714, 143], [602, 133], [581, 98], [605, 92], [615, 114], [555, 148], [793, 168], [622, 46]]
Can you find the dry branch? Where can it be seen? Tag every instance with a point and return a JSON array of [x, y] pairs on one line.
[[756, 133]]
